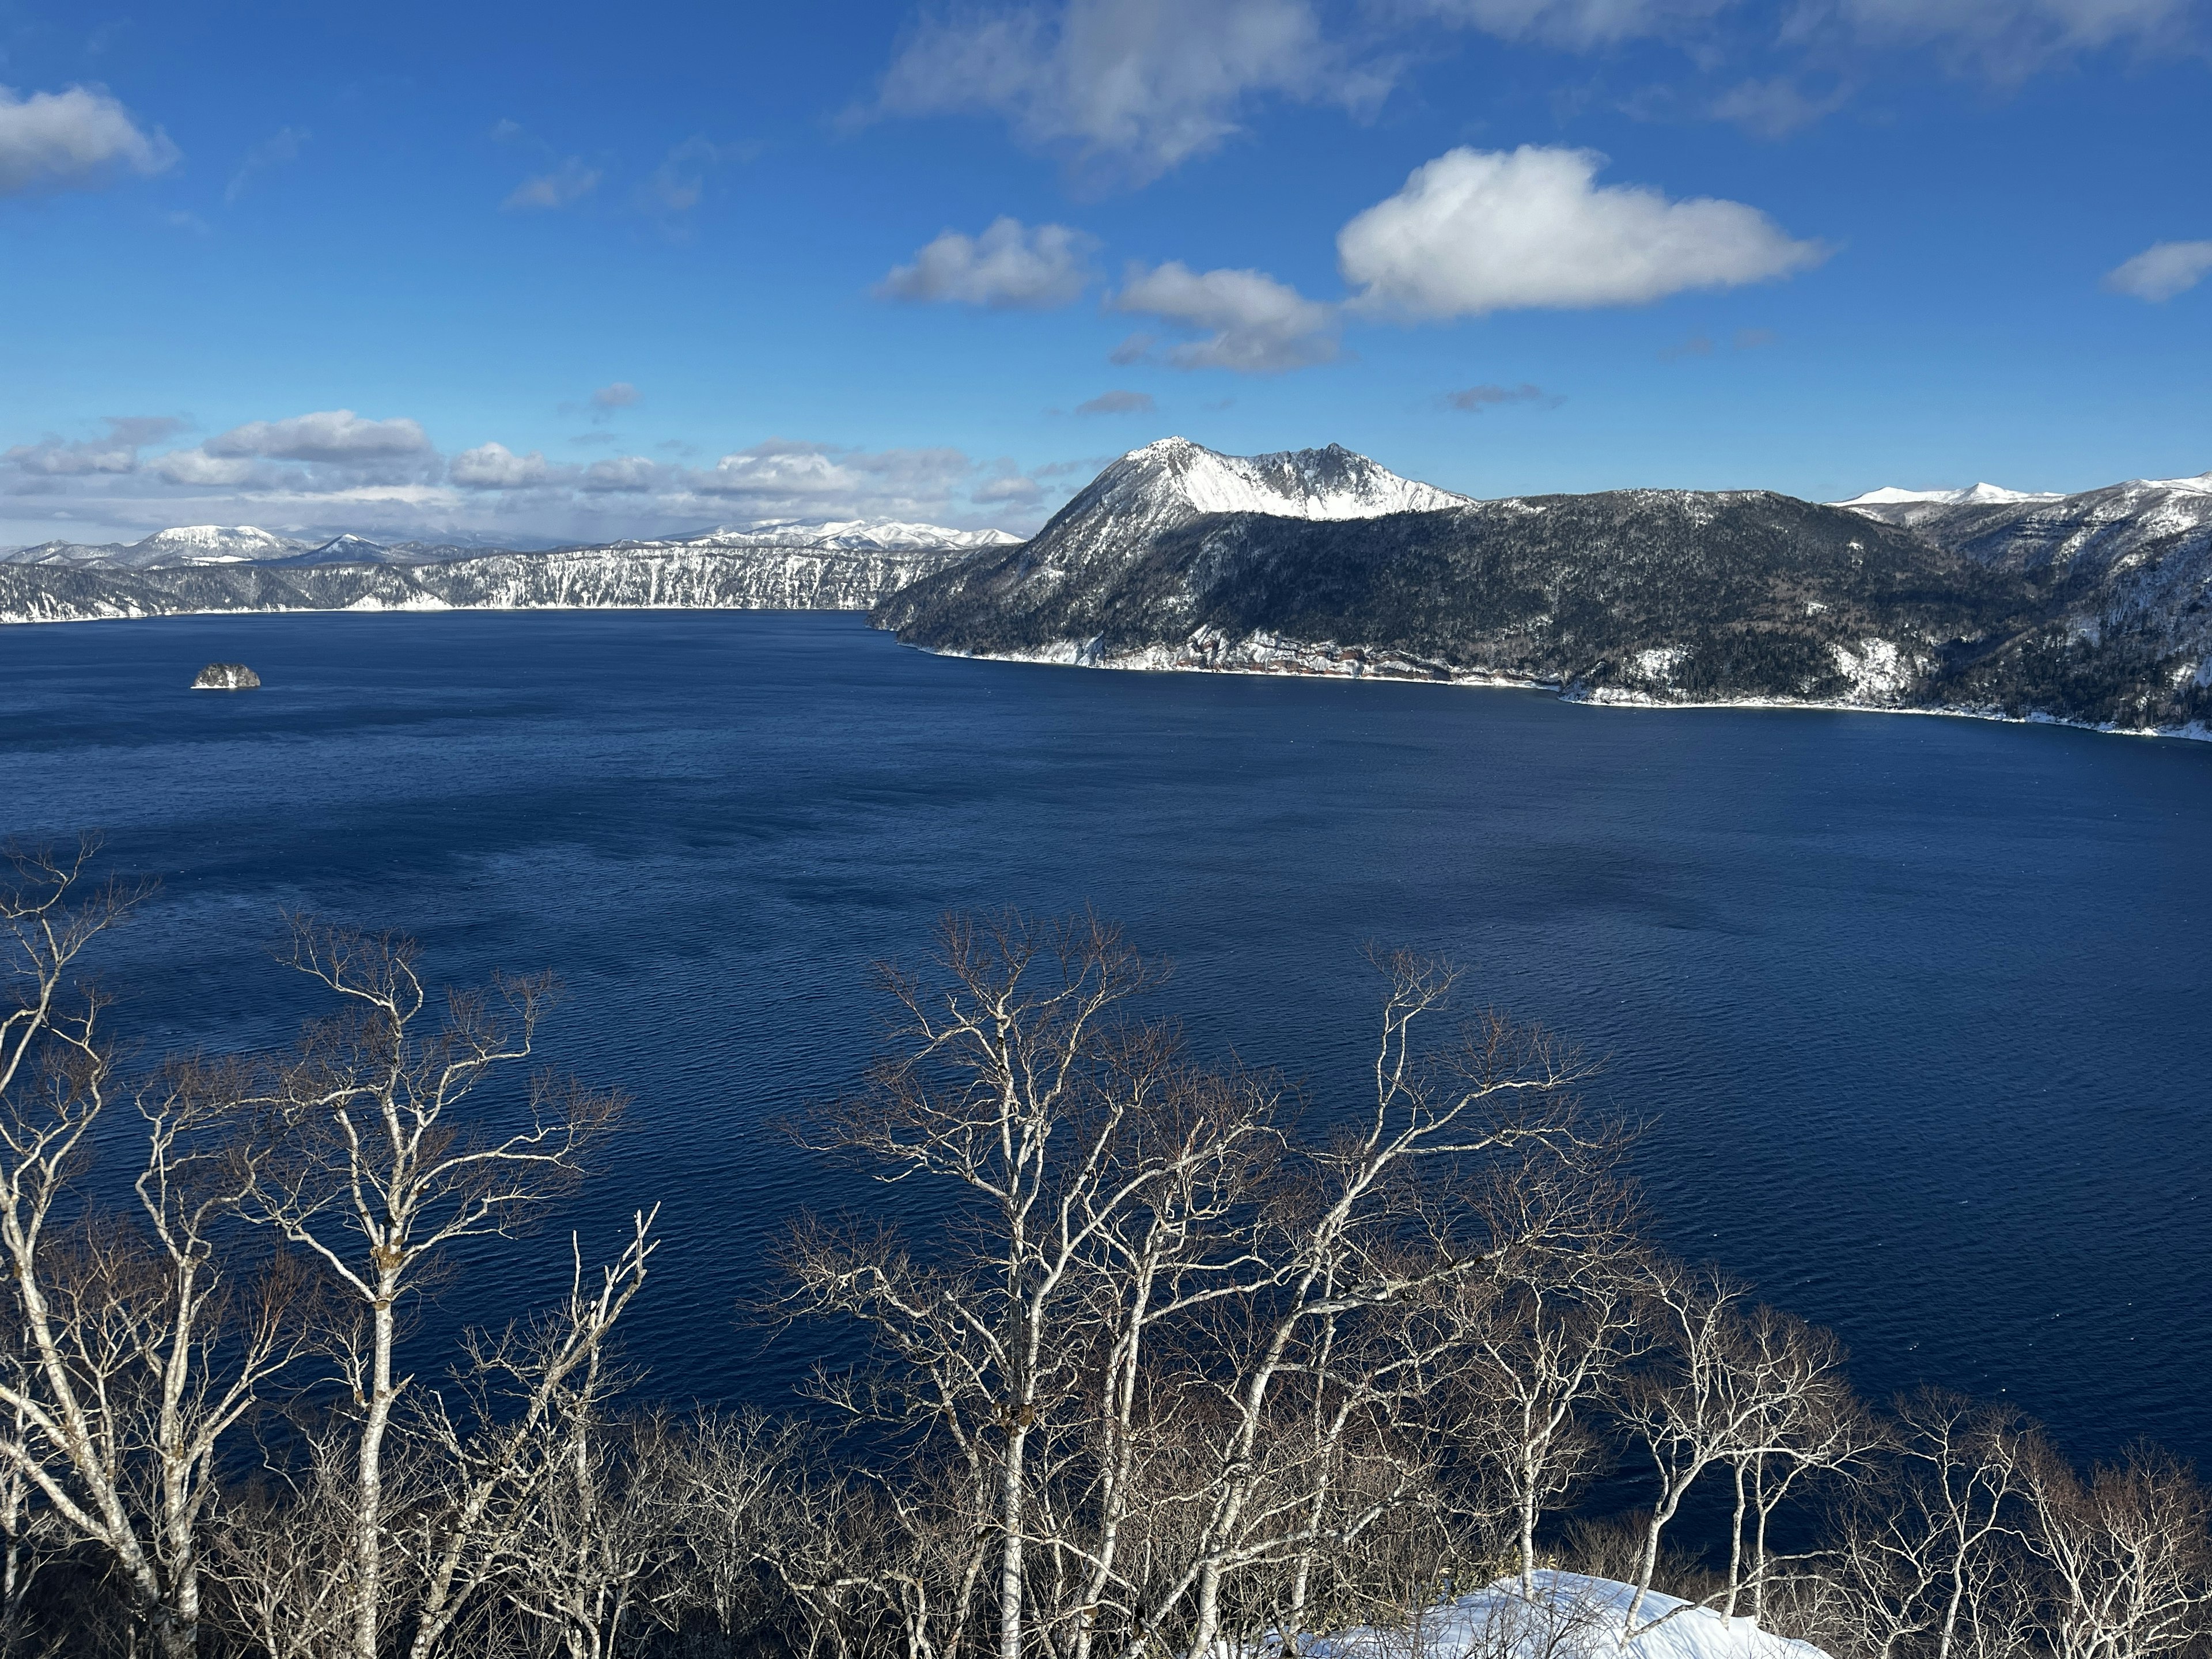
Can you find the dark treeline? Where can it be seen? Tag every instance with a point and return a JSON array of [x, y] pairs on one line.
[[1179, 1373]]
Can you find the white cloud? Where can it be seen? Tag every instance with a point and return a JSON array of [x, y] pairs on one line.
[[784, 477], [334, 434], [568, 184], [1130, 86], [281, 150], [2161, 271], [621, 395], [197, 466], [73, 139], [1007, 267], [494, 466], [1477, 231], [1252, 323]]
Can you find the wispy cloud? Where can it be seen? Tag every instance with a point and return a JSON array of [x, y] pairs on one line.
[[678, 184], [1476, 398], [280, 148], [563, 186], [1118, 403], [2161, 271]]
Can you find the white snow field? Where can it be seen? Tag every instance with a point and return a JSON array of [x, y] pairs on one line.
[[1569, 1617]]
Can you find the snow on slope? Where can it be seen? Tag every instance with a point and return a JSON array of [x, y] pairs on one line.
[[184, 544], [852, 535], [213, 544], [205, 545], [1301, 483], [1152, 492], [1569, 1617]]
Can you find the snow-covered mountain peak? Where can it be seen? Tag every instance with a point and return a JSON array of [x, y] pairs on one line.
[[1980, 495], [1333, 483], [207, 543]]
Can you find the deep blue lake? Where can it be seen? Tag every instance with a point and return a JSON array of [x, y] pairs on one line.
[[1915, 1008]]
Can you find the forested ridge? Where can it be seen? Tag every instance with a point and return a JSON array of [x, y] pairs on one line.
[[1659, 595]]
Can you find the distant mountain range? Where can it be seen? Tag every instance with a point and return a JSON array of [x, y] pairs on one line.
[[2093, 608], [195, 545]]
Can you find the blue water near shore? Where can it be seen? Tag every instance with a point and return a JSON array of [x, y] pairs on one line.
[[1915, 1008]]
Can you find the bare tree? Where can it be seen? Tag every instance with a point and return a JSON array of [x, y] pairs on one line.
[[1021, 1090], [1554, 1325], [1934, 1549], [524, 1469], [1699, 1406], [2129, 1565], [1169, 1349], [1806, 1421], [139, 1344], [379, 1169]]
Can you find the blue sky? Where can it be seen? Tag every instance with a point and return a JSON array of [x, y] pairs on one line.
[[556, 272]]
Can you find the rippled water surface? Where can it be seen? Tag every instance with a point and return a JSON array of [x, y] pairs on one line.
[[1915, 1008]]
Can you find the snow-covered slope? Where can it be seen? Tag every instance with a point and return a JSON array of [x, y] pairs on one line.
[[1567, 1617], [702, 579], [213, 544], [850, 535], [2091, 532], [1168, 484]]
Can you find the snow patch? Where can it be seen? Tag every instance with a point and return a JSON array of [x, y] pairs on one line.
[[1562, 1616], [1877, 670]]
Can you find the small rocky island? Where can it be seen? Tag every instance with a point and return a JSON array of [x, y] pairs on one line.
[[226, 677]]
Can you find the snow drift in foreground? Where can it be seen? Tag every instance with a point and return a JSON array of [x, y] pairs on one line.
[[1569, 1617]]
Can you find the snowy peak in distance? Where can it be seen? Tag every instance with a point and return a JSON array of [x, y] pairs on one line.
[[214, 544], [851, 535], [1980, 495], [1334, 483], [183, 545]]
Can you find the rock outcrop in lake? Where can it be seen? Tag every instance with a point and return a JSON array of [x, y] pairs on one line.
[[226, 677]]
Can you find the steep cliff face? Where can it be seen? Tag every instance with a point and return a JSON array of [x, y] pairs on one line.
[[724, 577]]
